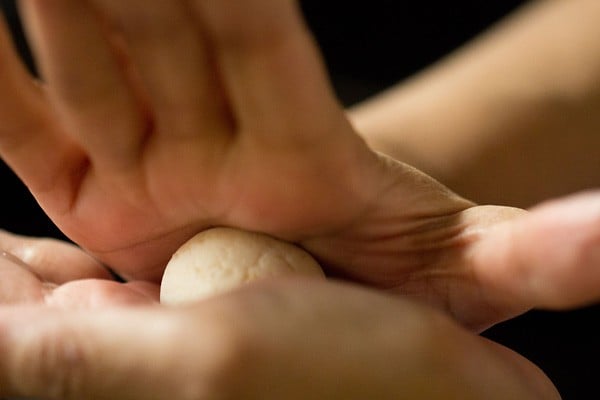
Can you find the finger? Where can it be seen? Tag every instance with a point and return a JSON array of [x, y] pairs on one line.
[[90, 87], [17, 283], [53, 260], [168, 49], [31, 141], [98, 293], [270, 67], [115, 353], [549, 258]]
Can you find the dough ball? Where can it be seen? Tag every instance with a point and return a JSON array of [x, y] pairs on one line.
[[220, 259]]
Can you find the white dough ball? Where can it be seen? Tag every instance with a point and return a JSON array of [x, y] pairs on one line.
[[220, 259]]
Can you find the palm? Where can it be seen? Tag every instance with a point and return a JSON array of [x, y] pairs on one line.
[[178, 189]]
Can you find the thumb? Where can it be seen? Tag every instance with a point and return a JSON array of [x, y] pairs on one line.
[[125, 353], [549, 258]]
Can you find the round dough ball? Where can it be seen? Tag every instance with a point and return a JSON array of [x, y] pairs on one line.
[[220, 259]]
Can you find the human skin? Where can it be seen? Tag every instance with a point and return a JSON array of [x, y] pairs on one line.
[[292, 338], [241, 327], [247, 133], [59, 274], [509, 118]]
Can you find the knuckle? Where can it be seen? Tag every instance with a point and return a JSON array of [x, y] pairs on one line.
[[52, 365]]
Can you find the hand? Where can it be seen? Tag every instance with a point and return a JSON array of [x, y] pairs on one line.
[[287, 339], [57, 274], [164, 121]]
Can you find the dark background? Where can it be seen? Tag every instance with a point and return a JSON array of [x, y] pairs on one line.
[[367, 47]]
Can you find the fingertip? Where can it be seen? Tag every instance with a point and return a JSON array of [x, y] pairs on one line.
[[563, 236], [548, 258]]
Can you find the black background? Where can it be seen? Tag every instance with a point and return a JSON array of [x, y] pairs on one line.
[[367, 47]]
